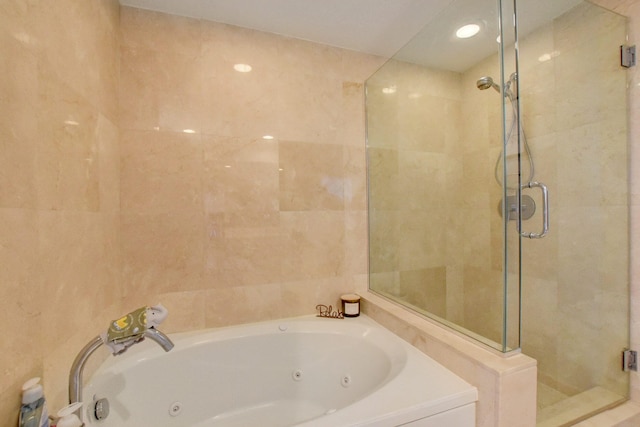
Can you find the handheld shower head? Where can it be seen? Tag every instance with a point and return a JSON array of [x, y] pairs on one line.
[[486, 82]]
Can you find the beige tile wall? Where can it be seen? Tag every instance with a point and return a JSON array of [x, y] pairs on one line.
[[220, 225], [59, 187], [414, 157], [220, 221]]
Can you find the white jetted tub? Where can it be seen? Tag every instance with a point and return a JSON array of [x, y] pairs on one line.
[[305, 371]]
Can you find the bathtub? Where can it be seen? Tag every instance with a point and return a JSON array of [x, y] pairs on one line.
[[305, 371]]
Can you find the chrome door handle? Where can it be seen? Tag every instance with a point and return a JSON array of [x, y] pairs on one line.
[[545, 210]]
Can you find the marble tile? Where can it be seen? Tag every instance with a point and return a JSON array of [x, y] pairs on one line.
[[68, 164], [355, 178], [422, 237], [539, 322], [352, 120], [160, 32], [574, 28], [517, 403], [161, 172], [240, 175], [312, 245], [310, 115], [426, 289], [384, 178], [312, 177], [112, 255], [476, 248], [68, 182], [483, 298], [356, 237], [422, 179], [91, 67], [108, 142], [187, 310], [60, 252], [245, 304], [241, 254], [18, 134], [161, 90], [71, 255], [384, 241], [21, 298], [162, 252], [241, 104], [18, 18]]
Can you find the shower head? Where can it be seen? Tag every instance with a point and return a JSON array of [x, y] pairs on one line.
[[486, 82]]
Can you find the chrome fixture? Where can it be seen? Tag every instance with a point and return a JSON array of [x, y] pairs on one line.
[[545, 211], [100, 409], [527, 206], [510, 91], [487, 82], [75, 375]]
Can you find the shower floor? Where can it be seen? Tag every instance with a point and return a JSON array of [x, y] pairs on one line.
[[556, 409]]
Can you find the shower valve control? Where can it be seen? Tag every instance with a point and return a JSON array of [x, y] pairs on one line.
[[527, 207]]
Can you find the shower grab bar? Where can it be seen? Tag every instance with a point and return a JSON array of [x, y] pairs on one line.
[[545, 210]]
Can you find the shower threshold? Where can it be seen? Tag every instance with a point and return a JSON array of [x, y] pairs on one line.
[[570, 410]]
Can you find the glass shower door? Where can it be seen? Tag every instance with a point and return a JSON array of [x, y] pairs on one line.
[[478, 145], [438, 170], [575, 284]]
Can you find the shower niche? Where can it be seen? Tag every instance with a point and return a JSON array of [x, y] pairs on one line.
[[498, 190]]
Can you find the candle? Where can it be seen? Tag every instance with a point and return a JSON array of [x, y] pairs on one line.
[[350, 305]]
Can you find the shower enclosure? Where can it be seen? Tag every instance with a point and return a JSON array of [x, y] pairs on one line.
[[498, 189]]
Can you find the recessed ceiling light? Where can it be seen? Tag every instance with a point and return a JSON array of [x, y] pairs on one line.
[[467, 31], [242, 68], [188, 131], [268, 137]]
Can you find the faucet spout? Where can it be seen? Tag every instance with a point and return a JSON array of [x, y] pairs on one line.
[[77, 368], [75, 375], [160, 338]]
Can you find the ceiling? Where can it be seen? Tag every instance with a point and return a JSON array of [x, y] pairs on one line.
[[436, 45], [380, 27]]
